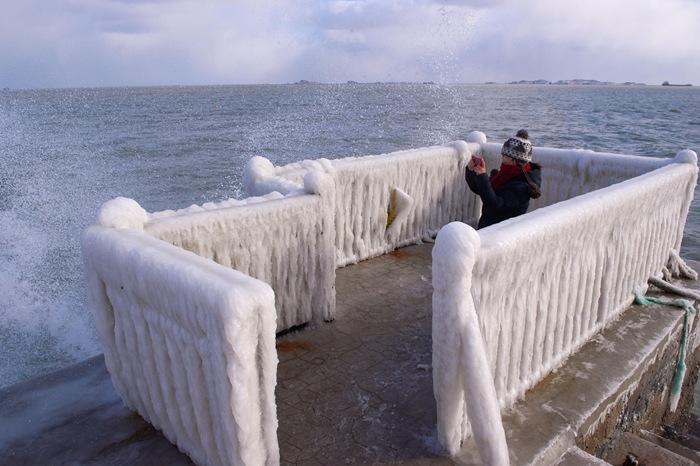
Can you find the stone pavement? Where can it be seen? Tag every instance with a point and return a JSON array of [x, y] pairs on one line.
[[359, 390]]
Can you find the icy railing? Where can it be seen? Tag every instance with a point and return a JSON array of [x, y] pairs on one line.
[[541, 285], [427, 184], [569, 173], [430, 182], [287, 242], [189, 344]]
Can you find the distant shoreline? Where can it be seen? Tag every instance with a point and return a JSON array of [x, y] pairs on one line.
[[537, 82]]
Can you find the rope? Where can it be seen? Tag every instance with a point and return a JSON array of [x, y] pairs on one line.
[[679, 376]]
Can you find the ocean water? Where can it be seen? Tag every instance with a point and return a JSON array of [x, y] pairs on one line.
[[64, 152]]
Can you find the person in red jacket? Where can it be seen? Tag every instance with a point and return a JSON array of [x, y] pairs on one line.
[[507, 192]]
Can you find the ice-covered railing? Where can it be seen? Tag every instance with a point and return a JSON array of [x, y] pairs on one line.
[[569, 173], [286, 241], [427, 187], [542, 284], [189, 344], [188, 320]]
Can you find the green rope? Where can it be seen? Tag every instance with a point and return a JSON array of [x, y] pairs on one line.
[[677, 384]]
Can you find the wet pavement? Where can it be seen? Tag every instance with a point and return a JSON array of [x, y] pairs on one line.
[[357, 390]]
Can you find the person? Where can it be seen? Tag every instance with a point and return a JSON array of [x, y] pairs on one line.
[[507, 192]]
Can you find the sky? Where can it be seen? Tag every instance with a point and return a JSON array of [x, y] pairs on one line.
[[92, 43]]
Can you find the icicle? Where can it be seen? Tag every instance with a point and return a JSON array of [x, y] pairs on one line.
[[400, 206], [678, 267]]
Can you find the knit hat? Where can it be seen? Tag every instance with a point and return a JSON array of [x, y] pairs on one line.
[[518, 147]]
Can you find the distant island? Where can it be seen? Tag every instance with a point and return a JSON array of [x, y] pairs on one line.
[[586, 82], [561, 82], [666, 83], [307, 82], [575, 82]]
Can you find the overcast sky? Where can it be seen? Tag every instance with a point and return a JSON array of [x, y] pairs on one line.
[[65, 43]]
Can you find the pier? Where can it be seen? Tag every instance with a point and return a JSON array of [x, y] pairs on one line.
[[358, 390]]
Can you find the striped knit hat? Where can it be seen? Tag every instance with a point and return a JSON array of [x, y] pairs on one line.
[[518, 147]]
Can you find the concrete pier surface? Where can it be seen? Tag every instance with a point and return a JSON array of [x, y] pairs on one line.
[[359, 390]]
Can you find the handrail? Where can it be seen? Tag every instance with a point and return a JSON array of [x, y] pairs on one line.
[[545, 282], [189, 344], [461, 372]]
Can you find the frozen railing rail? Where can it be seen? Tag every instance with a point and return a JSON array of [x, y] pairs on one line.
[[189, 344], [545, 282], [187, 318], [430, 179], [286, 241], [569, 173]]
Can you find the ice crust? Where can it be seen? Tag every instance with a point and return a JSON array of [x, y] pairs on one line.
[[122, 212], [259, 178], [432, 176], [546, 282], [287, 242], [209, 206], [568, 173], [189, 344], [462, 380]]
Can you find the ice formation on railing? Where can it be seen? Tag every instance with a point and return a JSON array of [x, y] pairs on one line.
[[461, 375], [259, 178], [189, 344], [209, 206], [568, 173], [287, 242], [433, 177], [545, 282]]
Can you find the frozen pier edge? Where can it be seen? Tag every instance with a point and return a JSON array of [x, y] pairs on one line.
[[188, 303]]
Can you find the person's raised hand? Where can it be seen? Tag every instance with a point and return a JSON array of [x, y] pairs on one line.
[[477, 165]]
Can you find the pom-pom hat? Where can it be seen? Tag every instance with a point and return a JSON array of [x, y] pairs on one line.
[[518, 147]]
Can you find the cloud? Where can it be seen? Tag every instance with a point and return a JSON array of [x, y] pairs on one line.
[[129, 42]]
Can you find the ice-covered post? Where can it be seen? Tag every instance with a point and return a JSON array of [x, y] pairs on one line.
[[259, 179], [472, 203], [691, 158], [476, 137], [460, 367], [189, 344], [323, 184]]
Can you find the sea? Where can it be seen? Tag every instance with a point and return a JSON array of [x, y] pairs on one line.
[[63, 152]]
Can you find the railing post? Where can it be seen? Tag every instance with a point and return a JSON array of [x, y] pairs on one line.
[[461, 373], [691, 158], [259, 179], [323, 184]]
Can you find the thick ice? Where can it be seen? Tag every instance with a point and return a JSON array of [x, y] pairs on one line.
[[462, 380], [286, 241], [546, 282], [189, 344], [433, 177], [122, 212]]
